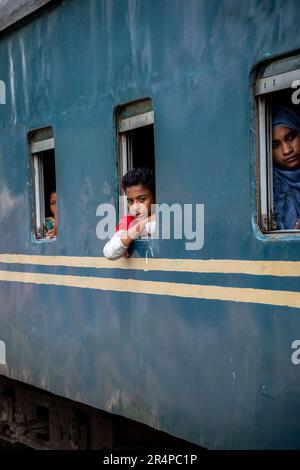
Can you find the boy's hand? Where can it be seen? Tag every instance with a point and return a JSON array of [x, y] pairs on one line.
[[135, 229], [52, 233], [297, 226]]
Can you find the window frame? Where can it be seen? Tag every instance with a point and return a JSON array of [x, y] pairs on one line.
[[38, 182], [264, 87]]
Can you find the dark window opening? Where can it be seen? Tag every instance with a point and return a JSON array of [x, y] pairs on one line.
[[142, 147], [135, 124], [49, 178]]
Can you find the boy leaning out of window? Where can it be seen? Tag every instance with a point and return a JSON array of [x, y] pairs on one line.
[[139, 187]]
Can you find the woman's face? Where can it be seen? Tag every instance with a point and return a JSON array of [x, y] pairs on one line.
[[286, 148]]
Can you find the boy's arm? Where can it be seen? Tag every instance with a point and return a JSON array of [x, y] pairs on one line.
[[117, 246], [115, 249]]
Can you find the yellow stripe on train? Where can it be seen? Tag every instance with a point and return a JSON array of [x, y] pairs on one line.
[[233, 294], [215, 266]]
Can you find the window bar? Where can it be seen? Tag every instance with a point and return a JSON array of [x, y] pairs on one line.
[[124, 169], [129, 152], [263, 163], [271, 218], [39, 195]]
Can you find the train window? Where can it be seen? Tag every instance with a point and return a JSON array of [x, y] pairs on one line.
[[277, 95], [135, 126], [42, 150]]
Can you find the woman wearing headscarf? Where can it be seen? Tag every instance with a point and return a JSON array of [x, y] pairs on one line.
[[286, 167]]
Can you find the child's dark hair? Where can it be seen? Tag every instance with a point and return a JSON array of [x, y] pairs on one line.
[[139, 175]]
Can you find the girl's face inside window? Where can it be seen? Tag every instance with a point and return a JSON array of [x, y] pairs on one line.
[[53, 203], [286, 148]]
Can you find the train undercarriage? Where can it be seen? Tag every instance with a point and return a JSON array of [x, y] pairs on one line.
[[33, 418]]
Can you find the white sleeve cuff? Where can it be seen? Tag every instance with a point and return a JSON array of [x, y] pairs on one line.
[[115, 249], [150, 227]]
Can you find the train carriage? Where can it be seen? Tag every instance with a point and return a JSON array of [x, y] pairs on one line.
[[200, 343]]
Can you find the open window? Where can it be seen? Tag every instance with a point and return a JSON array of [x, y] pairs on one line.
[[42, 150], [277, 84], [135, 127]]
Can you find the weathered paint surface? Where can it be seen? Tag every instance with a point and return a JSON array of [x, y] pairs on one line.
[[218, 373]]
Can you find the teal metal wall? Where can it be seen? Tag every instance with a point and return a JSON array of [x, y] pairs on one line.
[[214, 372]]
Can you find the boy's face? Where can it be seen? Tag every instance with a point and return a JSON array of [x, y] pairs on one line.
[[53, 203], [139, 200]]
